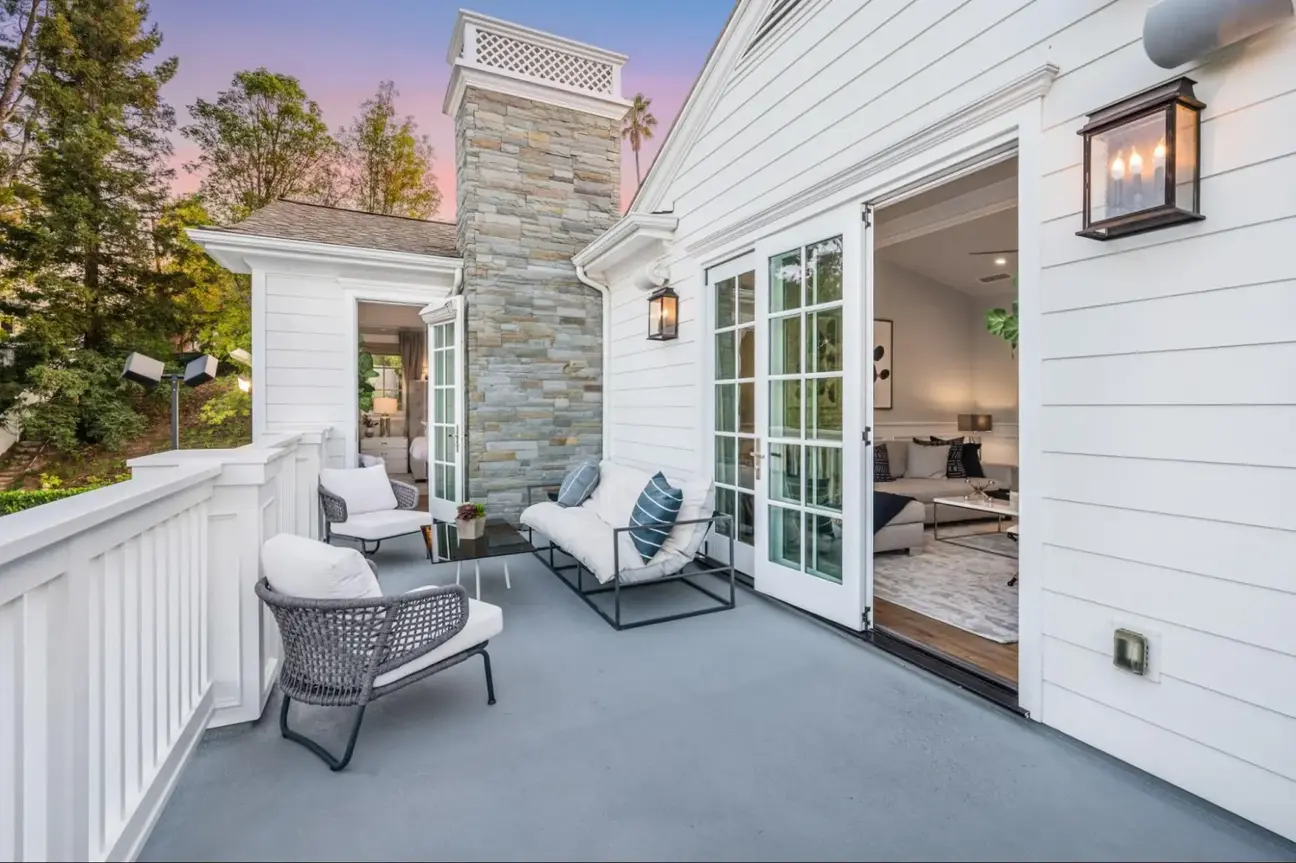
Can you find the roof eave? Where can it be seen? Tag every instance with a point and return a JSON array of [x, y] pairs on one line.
[[635, 238], [233, 250]]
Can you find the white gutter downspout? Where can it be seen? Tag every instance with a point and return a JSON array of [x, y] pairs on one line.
[[607, 356]]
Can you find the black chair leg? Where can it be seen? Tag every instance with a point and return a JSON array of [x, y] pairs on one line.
[[333, 763], [490, 681]]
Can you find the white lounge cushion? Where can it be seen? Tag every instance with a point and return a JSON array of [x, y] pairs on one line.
[[305, 568], [485, 621], [581, 533], [381, 525], [927, 462], [617, 492], [699, 502], [365, 489]]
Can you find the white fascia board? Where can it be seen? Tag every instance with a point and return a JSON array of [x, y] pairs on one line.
[[235, 251], [636, 238]]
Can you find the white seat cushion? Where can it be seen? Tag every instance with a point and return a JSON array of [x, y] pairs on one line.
[[580, 532], [699, 502], [365, 489], [381, 525], [485, 621], [305, 568], [618, 491]]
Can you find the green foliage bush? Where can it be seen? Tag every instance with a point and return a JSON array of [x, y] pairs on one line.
[[81, 399], [230, 403], [16, 501]]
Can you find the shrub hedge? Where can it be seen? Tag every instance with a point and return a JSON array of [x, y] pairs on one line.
[[16, 501]]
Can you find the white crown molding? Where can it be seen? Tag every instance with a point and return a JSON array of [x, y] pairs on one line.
[[700, 105], [997, 103], [636, 238], [465, 75], [236, 252]]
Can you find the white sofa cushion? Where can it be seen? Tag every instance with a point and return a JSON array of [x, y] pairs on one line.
[[580, 532], [305, 568], [617, 492], [485, 621], [699, 502], [382, 524], [365, 489], [928, 462]]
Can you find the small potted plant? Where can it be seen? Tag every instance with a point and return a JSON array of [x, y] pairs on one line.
[[471, 520]]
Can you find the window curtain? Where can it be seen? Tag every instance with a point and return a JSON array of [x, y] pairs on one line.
[[413, 354]]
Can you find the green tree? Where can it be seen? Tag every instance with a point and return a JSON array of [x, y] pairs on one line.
[[19, 57], [388, 164], [80, 265], [262, 139], [638, 127]]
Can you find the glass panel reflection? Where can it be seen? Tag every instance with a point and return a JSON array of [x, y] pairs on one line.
[[824, 341], [746, 518], [823, 547], [785, 281], [785, 472], [785, 345], [724, 407], [785, 409], [724, 504], [785, 536], [725, 460], [824, 415], [724, 296], [824, 477], [1128, 168], [724, 358], [747, 408], [747, 297], [825, 264], [747, 352], [1185, 168], [746, 463]]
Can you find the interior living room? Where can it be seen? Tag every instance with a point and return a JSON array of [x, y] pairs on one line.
[[393, 387], [945, 420]]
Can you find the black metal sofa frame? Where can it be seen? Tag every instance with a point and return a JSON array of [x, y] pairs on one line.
[[616, 588]]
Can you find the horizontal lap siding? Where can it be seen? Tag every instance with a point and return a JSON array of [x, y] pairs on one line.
[[306, 352], [1169, 405], [1168, 377]]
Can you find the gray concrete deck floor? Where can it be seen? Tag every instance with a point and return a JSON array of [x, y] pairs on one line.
[[752, 734]]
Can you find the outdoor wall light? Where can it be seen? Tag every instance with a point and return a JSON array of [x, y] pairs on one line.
[[1142, 162], [663, 315], [148, 372]]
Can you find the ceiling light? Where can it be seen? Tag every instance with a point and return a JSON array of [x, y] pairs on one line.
[[1001, 262]]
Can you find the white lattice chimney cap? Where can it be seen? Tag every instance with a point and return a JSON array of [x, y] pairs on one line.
[[508, 58]]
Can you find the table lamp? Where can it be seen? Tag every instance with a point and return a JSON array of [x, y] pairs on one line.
[[384, 406]]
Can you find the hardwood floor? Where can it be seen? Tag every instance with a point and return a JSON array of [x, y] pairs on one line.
[[991, 656]]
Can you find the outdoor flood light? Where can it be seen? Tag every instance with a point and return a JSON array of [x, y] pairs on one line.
[[663, 315], [1142, 163], [148, 372]]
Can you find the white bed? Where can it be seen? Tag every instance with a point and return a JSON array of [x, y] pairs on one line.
[[418, 457]]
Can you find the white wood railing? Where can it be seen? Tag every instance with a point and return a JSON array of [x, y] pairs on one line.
[[127, 626]]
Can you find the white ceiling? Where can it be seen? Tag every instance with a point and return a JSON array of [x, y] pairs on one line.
[[935, 233], [387, 318]]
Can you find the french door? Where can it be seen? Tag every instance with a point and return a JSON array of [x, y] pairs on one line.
[[813, 496], [445, 408], [732, 289]]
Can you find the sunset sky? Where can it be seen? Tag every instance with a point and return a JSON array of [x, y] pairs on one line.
[[341, 50]]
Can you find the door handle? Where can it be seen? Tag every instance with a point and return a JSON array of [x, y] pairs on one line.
[[757, 458]]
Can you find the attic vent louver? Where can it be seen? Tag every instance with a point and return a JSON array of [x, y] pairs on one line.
[[778, 11], [997, 277]]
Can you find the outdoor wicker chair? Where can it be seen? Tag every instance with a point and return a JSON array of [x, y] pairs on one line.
[[348, 652], [364, 524]]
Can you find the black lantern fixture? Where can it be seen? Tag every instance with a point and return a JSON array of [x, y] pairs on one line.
[[663, 315], [1142, 163]]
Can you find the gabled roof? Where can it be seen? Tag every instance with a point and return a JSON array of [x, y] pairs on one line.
[[314, 223]]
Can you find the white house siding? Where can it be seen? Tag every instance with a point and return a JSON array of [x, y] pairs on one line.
[[1163, 458]]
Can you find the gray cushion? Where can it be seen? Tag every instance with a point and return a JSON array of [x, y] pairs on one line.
[[928, 462], [579, 484], [898, 456]]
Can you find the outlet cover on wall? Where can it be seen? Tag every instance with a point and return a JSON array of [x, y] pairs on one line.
[[1151, 645]]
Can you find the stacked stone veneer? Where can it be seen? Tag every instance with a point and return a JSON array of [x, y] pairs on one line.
[[536, 183]]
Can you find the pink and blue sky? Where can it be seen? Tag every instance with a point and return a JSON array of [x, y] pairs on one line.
[[341, 50]]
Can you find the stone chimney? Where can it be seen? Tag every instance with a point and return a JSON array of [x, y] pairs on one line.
[[538, 173]]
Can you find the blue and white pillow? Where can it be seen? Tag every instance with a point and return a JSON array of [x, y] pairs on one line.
[[659, 504], [579, 484]]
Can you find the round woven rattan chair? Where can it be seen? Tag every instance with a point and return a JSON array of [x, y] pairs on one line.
[[348, 652]]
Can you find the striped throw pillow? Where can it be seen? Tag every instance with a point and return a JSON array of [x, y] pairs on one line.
[[579, 484], [658, 504], [882, 464]]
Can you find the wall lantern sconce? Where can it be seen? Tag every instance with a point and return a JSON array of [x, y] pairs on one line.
[[1142, 163], [663, 315]]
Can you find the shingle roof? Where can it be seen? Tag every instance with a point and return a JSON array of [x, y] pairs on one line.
[[315, 223]]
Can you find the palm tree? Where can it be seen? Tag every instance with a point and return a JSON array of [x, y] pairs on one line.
[[639, 124]]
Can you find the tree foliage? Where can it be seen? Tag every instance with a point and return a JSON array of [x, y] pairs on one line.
[[388, 165], [262, 139]]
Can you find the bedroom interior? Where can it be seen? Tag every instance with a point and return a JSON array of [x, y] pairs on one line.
[[393, 419], [945, 392]]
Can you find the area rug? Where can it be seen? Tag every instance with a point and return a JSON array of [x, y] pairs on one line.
[[963, 587]]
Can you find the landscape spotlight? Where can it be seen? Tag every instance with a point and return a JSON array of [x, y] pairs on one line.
[[148, 373]]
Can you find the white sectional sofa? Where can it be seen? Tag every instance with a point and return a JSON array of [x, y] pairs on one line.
[[926, 490], [596, 536]]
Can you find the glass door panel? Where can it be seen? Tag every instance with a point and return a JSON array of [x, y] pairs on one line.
[[732, 289], [445, 421], [807, 511]]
